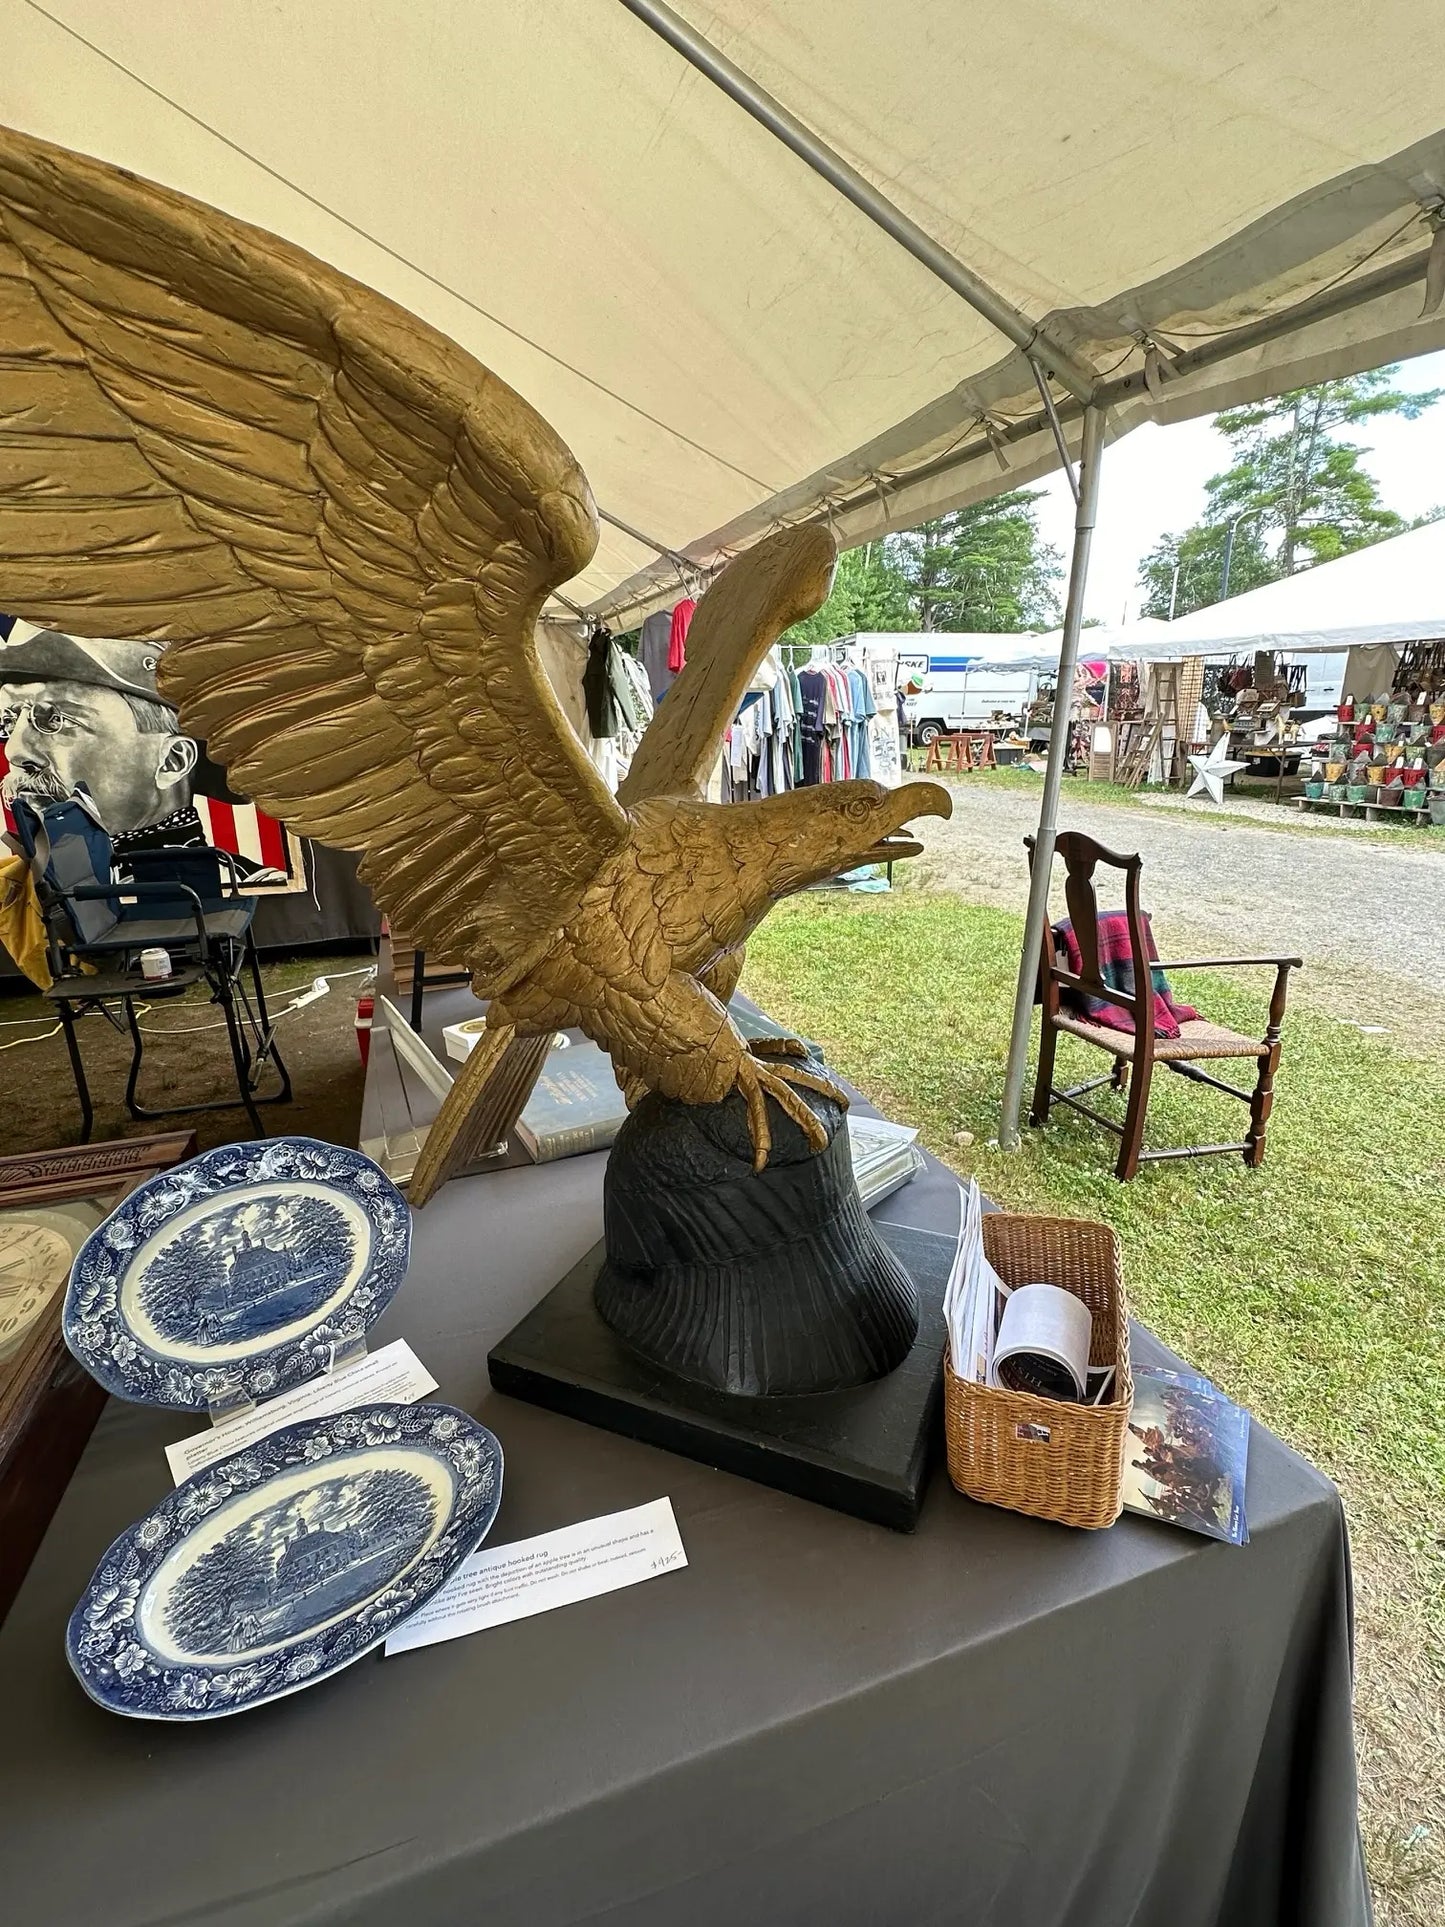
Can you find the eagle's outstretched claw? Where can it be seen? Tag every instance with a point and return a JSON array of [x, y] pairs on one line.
[[803, 1068], [758, 1082]]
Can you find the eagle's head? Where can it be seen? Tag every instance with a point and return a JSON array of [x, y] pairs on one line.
[[841, 826]]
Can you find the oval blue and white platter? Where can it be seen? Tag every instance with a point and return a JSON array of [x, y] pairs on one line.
[[276, 1567], [237, 1275]]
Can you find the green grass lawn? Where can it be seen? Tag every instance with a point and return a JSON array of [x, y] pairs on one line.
[[1312, 1290]]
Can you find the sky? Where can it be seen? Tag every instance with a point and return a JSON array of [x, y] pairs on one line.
[[1152, 484]]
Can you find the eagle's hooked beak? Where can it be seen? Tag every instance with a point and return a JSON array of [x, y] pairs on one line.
[[905, 803]]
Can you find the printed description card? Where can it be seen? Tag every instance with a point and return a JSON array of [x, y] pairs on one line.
[[392, 1376], [501, 1583]]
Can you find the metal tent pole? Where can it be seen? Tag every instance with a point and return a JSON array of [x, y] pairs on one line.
[[1038, 910], [1032, 336]]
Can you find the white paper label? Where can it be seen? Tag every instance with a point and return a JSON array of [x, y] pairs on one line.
[[392, 1376], [501, 1583]]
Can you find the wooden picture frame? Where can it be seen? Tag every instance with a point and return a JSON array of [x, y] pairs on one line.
[[50, 1201]]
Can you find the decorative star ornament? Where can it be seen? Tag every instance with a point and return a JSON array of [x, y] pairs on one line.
[[1211, 771]]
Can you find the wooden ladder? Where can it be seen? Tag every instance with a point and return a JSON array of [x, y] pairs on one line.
[[1135, 764]]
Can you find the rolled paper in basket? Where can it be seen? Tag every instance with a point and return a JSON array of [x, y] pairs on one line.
[[1043, 1343]]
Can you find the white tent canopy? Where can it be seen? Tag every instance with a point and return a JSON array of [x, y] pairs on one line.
[[1393, 591], [724, 340], [961, 648]]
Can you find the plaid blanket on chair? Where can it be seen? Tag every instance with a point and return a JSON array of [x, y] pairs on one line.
[[1116, 968]]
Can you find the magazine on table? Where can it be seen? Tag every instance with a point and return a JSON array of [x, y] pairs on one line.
[[1185, 1455]]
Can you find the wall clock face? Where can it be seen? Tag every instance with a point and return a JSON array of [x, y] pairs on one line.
[[35, 1263]]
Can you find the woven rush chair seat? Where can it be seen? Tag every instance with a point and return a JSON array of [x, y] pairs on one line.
[[1197, 1038]]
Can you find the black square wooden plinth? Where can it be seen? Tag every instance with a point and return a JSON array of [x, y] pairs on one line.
[[867, 1451]]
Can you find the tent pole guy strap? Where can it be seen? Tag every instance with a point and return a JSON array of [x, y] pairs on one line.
[[1038, 910], [770, 113]]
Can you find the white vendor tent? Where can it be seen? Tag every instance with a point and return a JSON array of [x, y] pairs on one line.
[[1391, 592], [814, 258], [946, 649]]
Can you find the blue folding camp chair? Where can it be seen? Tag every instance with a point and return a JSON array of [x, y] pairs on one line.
[[172, 898]]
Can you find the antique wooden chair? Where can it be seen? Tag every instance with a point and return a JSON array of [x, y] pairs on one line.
[[1136, 1053]]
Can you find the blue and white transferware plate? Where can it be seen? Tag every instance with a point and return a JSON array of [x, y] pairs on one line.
[[237, 1275], [278, 1566]]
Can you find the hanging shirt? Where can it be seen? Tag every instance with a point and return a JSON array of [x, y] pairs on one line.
[[677, 634], [765, 732], [796, 689], [597, 685], [652, 652], [634, 707], [740, 757], [864, 710], [784, 716], [812, 705], [840, 742]]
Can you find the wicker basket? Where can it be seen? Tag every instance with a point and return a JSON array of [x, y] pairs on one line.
[[1046, 1456]]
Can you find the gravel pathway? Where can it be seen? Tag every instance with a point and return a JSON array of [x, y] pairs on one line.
[[1369, 921]]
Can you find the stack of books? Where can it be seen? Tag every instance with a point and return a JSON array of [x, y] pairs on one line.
[[884, 1157], [578, 1107]]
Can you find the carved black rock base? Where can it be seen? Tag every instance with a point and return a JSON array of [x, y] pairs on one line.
[[767, 1283], [866, 1451]]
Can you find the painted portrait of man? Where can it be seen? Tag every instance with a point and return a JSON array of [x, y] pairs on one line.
[[78, 713]]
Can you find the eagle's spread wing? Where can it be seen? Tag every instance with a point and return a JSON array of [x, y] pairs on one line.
[[343, 525]]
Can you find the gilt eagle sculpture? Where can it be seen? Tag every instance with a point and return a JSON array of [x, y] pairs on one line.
[[345, 528]]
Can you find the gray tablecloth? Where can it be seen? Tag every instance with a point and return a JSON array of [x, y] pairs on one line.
[[992, 1721]]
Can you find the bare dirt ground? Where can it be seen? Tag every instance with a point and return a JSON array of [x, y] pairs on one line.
[[186, 1060], [1368, 921]]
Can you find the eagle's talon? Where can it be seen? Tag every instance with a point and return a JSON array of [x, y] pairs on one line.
[[750, 1082], [777, 1047], [814, 1077], [757, 1083], [802, 1067]]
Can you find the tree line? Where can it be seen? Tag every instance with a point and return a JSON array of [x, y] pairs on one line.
[[1295, 494]]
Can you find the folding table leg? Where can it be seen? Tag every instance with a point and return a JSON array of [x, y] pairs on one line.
[[418, 987], [267, 1030], [137, 1051]]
